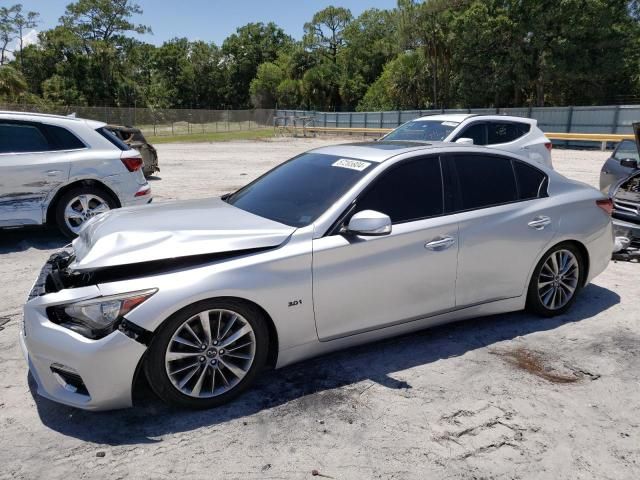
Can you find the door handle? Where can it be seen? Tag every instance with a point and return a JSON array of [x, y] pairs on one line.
[[540, 222], [440, 243]]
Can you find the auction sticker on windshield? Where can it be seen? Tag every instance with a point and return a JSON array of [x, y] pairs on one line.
[[351, 164]]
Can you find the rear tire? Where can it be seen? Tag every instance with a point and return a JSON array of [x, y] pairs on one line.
[[556, 281], [76, 206], [219, 360]]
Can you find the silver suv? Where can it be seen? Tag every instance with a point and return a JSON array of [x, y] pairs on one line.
[[63, 171]]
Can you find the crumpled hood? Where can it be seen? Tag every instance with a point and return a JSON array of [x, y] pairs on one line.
[[171, 230]]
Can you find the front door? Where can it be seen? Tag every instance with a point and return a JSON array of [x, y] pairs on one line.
[[363, 283]]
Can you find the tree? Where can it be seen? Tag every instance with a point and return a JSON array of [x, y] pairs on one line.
[[251, 45], [402, 85], [264, 88], [12, 84], [23, 22], [8, 30], [102, 20], [325, 33]]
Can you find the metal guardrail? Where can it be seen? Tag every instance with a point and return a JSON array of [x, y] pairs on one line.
[[602, 138]]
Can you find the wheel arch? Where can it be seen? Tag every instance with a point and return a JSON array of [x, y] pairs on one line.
[[89, 182], [272, 354], [581, 248]]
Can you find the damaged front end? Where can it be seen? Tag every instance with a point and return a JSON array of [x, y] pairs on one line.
[[626, 216]]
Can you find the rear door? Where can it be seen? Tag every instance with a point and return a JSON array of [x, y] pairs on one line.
[[33, 162], [362, 283], [504, 224]]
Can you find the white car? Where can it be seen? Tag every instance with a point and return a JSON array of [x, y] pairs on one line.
[[513, 134], [63, 171]]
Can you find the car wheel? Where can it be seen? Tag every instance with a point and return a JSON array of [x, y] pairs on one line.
[[207, 354], [78, 205], [556, 281]]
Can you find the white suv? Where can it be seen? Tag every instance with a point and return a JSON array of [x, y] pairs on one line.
[[63, 171], [513, 134]]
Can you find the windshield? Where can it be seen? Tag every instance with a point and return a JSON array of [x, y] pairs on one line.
[[423, 131], [297, 192]]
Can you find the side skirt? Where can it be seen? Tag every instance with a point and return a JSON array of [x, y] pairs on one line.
[[313, 349]]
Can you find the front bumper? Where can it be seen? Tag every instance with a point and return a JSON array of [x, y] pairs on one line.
[[57, 356]]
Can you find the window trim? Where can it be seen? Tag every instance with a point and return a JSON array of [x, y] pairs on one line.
[[345, 216], [41, 128], [457, 189]]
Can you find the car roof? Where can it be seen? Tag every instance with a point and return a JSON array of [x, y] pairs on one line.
[[383, 150], [49, 118], [461, 117]]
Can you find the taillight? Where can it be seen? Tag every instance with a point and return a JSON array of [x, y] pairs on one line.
[[132, 163], [548, 145], [606, 204]]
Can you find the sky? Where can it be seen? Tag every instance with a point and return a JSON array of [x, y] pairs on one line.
[[213, 20]]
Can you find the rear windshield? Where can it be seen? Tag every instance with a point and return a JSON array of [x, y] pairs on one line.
[[423, 131], [297, 192], [112, 137]]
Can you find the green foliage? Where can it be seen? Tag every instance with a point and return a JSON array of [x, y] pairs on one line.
[[12, 84], [402, 86], [264, 88], [421, 54]]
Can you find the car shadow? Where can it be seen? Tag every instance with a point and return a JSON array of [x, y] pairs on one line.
[[21, 239], [300, 385]]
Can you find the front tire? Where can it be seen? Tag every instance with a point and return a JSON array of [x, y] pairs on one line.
[[556, 281], [208, 353]]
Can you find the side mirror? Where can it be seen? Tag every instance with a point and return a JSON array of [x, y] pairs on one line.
[[369, 223], [629, 163], [465, 141]]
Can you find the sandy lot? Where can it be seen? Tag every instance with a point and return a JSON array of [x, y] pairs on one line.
[[509, 396]]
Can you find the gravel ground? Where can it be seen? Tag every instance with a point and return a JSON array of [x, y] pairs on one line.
[[508, 396]]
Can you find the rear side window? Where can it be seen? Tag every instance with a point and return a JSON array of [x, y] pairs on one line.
[[410, 191], [21, 138], [484, 181], [109, 135], [61, 138], [532, 183], [506, 132]]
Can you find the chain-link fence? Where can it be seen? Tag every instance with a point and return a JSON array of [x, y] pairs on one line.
[[164, 121]]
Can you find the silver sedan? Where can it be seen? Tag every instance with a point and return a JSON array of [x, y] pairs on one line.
[[338, 246]]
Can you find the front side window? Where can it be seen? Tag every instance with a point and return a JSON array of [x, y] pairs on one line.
[[505, 132], [484, 181], [627, 149], [21, 138], [477, 132], [422, 131], [409, 191], [297, 192]]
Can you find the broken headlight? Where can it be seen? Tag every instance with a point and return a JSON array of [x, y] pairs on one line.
[[97, 317]]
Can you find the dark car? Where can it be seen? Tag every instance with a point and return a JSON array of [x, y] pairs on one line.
[[620, 179], [135, 139]]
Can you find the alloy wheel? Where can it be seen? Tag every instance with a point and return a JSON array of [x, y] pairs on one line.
[[81, 208], [210, 353], [558, 279]]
